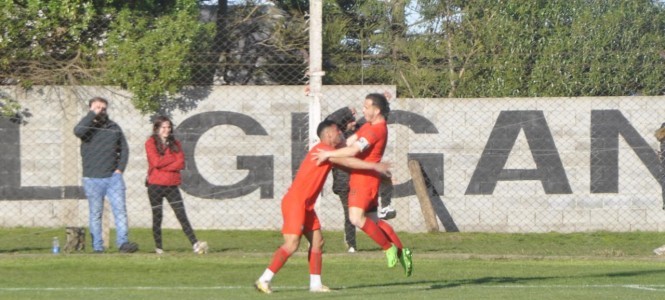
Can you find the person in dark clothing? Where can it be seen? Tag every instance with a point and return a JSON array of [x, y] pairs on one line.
[[346, 121], [165, 161], [104, 154], [660, 136]]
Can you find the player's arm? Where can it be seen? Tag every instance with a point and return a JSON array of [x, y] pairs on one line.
[[348, 151], [123, 155], [351, 139], [358, 145], [85, 125], [355, 163]]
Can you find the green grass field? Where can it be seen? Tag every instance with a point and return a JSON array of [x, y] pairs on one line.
[[447, 266]]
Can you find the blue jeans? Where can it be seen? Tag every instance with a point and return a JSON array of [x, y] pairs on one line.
[[114, 189]]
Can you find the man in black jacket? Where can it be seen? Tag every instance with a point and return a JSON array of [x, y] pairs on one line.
[[660, 135], [104, 154]]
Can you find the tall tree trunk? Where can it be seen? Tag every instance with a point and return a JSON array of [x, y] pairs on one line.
[[221, 42]]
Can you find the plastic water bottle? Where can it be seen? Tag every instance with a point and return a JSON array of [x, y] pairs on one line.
[[56, 245]]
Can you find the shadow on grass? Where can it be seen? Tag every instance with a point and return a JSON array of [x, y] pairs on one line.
[[515, 280], [443, 284], [25, 249]]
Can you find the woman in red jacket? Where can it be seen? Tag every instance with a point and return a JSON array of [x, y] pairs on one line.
[[165, 160]]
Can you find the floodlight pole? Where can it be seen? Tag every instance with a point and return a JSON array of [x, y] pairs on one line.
[[315, 67]]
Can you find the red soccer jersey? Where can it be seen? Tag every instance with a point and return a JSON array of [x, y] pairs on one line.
[[375, 136], [309, 180]]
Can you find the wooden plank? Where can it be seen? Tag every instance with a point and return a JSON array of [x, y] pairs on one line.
[[423, 197]]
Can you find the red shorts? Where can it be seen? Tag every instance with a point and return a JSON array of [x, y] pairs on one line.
[[298, 221], [366, 199]]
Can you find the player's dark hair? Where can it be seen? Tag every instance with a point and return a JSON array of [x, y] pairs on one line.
[[381, 102], [323, 125], [97, 99]]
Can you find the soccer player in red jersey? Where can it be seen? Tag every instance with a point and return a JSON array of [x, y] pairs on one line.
[[368, 144], [298, 207]]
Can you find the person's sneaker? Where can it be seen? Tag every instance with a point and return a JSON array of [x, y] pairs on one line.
[[128, 247], [201, 247], [660, 250], [320, 289], [351, 250], [263, 287], [387, 213], [406, 259], [159, 251], [391, 255]]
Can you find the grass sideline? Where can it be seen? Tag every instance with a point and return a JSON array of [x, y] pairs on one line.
[[597, 265], [592, 244]]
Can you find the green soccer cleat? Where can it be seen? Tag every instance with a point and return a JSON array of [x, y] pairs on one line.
[[391, 255], [406, 259]]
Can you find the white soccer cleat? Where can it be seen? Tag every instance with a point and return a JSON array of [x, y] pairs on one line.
[[263, 287], [660, 250], [351, 250], [159, 251], [320, 289], [201, 247]]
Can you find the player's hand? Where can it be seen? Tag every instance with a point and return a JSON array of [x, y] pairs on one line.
[[383, 168], [98, 107], [388, 95], [320, 156]]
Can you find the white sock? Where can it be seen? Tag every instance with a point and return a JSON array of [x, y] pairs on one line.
[[314, 281], [267, 276]]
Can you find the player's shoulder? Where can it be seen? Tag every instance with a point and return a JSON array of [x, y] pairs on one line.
[[364, 128], [383, 126], [379, 128]]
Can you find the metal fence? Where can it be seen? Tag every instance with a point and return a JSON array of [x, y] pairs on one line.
[[500, 165]]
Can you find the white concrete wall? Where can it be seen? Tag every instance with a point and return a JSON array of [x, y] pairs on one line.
[[49, 157]]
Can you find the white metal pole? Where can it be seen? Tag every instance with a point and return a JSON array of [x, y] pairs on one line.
[[315, 67]]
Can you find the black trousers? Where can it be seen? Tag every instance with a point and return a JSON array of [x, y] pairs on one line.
[[349, 229], [386, 191], [156, 194], [661, 180]]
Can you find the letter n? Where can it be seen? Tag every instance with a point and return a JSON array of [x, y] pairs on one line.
[[606, 126]]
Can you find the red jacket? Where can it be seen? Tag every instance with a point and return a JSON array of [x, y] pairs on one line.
[[164, 169]]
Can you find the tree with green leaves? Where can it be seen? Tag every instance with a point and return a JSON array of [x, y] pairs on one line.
[[427, 48], [150, 51], [511, 48], [50, 42], [152, 48], [143, 46]]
